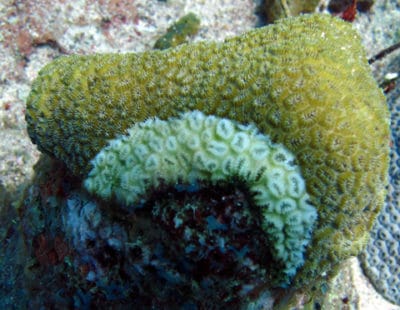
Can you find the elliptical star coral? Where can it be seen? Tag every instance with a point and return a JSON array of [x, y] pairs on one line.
[[305, 82]]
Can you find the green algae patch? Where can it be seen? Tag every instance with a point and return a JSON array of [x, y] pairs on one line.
[[276, 9], [305, 82], [178, 33]]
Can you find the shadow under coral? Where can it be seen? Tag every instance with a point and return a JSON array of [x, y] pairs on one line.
[[189, 247]]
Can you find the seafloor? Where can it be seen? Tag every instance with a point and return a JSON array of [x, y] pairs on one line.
[[34, 32]]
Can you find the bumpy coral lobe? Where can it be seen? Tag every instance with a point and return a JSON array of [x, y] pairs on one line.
[[304, 81]]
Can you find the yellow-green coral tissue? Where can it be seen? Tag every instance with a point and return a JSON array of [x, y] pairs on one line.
[[303, 82]]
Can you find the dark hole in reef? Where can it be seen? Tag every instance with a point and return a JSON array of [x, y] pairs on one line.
[[107, 256], [135, 252], [226, 220], [191, 243]]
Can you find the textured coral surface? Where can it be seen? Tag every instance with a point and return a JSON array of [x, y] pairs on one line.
[[303, 81], [381, 258], [194, 148]]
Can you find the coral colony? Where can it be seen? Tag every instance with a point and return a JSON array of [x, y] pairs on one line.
[[217, 170], [381, 258], [199, 148]]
